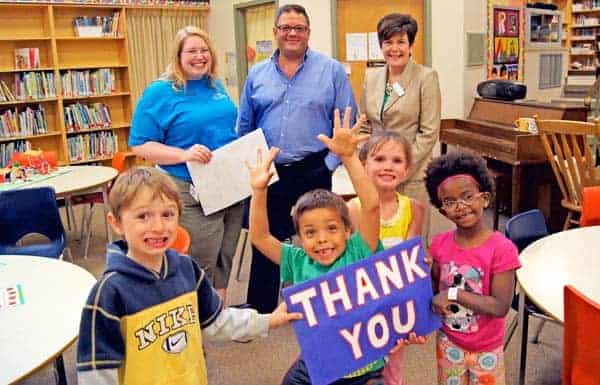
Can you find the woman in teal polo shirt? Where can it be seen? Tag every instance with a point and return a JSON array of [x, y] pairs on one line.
[[183, 116]]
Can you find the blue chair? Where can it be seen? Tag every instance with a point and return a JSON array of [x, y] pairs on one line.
[[28, 211], [523, 229]]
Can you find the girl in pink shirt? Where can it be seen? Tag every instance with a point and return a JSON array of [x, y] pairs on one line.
[[473, 273]]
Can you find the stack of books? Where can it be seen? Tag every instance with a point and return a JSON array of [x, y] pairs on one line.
[[8, 149], [92, 146], [6, 94], [34, 85], [85, 117], [25, 123], [96, 26], [88, 83], [27, 58]]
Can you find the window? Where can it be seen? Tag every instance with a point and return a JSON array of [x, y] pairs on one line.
[[550, 71]]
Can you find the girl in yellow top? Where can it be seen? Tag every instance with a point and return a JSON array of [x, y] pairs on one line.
[[387, 160]]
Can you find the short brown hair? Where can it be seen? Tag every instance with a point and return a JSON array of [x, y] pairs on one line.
[[397, 23], [129, 184], [320, 199], [378, 139], [288, 8]]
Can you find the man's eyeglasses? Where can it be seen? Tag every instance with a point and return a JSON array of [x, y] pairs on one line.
[[195, 52], [467, 200], [288, 28]]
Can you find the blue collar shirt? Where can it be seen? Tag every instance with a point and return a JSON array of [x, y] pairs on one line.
[[292, 112]]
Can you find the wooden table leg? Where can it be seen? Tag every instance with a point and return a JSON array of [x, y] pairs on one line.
[[515, 189], [523, 329], [109, 234]]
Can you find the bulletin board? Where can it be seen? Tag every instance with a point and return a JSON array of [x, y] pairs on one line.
[[360, 17]]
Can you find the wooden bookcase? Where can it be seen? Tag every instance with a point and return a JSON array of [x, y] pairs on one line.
[[582, 19], [49, 27]]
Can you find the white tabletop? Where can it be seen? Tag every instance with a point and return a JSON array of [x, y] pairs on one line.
[[79, 178], [566, 258], [43, 319]]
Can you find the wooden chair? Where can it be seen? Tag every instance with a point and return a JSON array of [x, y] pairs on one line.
[[590, 209], [581, 344], [567, 145]]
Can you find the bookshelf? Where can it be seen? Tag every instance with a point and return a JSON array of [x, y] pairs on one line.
[[583, 28], [88, 72]]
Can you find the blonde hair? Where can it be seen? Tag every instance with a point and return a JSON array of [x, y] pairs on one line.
[[174, 72], [129, 184], [378, 139]]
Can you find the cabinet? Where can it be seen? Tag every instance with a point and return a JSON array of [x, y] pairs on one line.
[[99, 98]]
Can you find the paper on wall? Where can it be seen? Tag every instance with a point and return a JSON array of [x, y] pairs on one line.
[[225, 180], [356, 47], [374, 49]]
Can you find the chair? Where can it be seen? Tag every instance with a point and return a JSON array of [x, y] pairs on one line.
[[26, 211], [118, 163], [590, 208], [523, 229], [182, 242], [568, 147], [581, 344]]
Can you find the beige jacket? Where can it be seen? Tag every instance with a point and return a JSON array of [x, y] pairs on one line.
[[416, 114]]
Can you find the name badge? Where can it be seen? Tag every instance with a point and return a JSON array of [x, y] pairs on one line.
[[398, 88]]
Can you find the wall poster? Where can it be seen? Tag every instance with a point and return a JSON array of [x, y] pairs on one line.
[[506, 48]]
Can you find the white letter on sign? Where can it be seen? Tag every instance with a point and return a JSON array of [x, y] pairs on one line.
[[410, 318], [329, 297], [410, 264], [304, 297], [364, 286], [389, 274], [378, 342], [352, 339]]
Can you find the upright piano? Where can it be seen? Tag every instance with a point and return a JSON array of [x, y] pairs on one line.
[[489, 131]]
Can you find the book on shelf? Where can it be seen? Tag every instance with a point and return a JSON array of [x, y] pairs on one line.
[[25, 123], [88, 82], [96, 26], [92, 146], [6, 94], [80, 117], [34, 85], [27, 58], [7, 150]]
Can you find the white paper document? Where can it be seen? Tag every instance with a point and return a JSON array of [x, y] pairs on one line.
[[374, 50], [356, 47], [225, 180]]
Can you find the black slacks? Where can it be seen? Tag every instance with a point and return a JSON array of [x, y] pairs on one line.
[[294, 180]]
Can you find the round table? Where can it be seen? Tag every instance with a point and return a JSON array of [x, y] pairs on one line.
[[40, 308], [569, 257]]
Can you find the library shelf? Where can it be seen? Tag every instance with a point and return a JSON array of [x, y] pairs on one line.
[[28, 137], [50, 28]]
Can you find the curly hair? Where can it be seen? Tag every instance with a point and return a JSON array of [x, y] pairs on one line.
[[320, 199], [456, 163]]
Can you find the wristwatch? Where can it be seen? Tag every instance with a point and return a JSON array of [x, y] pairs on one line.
[[453, 294]]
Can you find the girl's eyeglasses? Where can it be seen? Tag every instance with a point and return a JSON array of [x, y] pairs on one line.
[[467, 200]]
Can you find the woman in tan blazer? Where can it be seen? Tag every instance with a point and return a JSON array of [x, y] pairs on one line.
[[404, 96]]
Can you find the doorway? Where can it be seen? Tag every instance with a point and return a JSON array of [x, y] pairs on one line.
[[254, 35]]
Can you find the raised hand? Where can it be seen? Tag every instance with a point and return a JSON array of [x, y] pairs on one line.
[[345, 139], [280, 316], [262, 172]]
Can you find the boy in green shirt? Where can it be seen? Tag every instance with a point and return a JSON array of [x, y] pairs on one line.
[[323, 225]]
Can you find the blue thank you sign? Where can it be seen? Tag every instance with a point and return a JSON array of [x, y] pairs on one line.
[[354, 316]]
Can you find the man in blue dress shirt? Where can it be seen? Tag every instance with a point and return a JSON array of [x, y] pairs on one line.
[[291, 96]]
